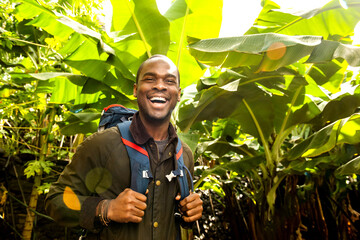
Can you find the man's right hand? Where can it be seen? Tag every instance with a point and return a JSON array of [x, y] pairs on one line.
[[128, 206]]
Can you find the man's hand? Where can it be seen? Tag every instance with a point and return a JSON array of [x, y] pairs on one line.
[[191, 207], [128, 206]]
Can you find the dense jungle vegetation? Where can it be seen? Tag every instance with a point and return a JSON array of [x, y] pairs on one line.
[[272, 116]]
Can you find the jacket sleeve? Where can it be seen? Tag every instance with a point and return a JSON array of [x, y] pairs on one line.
[[72, 200]]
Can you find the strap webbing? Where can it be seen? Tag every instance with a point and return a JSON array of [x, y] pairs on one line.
[[135, 147]]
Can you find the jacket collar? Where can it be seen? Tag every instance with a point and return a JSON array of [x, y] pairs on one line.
[[141, 136]]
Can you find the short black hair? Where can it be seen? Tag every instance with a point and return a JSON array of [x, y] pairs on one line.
[[154, 56]]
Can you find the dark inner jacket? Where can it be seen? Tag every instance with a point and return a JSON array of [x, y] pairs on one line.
[[100, 169]]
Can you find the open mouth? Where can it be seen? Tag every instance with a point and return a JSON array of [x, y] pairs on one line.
[[157, 100]]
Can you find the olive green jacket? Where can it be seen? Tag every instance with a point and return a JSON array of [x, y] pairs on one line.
[[100, 169]]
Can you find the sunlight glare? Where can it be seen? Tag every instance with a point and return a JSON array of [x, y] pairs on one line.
[[301, 5]]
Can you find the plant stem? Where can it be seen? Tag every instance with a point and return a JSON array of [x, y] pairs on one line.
[[47, 121], [32, 210], [269, 160]]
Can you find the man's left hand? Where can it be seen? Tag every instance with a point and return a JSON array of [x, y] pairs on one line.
[[191, 207]]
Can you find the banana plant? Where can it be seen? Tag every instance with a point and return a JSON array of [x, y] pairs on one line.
[[273, 85], [285, 84], [104, 63]]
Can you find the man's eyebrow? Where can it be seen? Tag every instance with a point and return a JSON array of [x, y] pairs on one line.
[[155, 75], [149, 74]]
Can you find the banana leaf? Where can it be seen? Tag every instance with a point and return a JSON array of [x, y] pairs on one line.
[[327, 21], [268, 51], [350, 168], [346, 130]]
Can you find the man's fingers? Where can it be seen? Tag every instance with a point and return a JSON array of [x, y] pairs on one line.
[[178, 197], [194, 211], [135, 219], [140, 205], [191, 207], [129, 206], [140, 197], [137, 212], [192, 218], [191, 198], [197, 204]]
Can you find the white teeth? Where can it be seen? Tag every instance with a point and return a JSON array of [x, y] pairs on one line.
[[158, 99]]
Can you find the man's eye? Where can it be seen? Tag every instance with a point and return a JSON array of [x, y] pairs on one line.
[[170, 81]]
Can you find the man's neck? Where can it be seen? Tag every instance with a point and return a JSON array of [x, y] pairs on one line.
[[159, 131]]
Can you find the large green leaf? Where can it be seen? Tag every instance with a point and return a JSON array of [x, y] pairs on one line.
[[56, 24], [220, 147], [143, 18], [84, 55], [329, 20], [207, 105], [199, 19], [84, 51], [75, 123], [342, 131], [68, 86], [268, 51], [350, 168], [278, 99], [329, 50], [190, 139], [314, 165], [77, 89], [329, 75], [105, 68], [238, 166], [227, 101], [42, 17], [341, 107]]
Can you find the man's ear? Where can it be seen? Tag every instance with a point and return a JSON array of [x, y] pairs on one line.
[[179, 95], [135, 90]]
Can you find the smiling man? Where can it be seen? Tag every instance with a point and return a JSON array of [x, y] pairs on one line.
[[93, 190]]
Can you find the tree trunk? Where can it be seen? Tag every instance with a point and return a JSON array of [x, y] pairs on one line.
[[29, 222]]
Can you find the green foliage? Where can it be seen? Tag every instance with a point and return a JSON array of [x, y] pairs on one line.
[[36, 167], [260, 111]]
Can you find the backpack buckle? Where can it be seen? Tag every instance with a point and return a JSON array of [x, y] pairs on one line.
[[145, 174], [174, 174], [170, 176]]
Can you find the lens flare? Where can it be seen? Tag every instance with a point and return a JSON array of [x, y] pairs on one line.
[[71, 200], [98, 180], [276, 51]]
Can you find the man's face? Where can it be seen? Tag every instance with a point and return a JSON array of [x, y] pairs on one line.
[[157, 90]]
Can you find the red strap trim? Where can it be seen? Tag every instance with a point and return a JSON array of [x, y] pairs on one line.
[[113, 105], [134, 146], [178, 155]]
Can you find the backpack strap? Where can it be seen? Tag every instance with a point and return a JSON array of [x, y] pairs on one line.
[[140, 164], [181, 173], [139, 160], [184, 185]]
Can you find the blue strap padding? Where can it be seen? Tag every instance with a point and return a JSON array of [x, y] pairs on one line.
[[140, 163], [183, 181]]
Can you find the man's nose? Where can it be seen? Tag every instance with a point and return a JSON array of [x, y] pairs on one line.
[[160, 85]]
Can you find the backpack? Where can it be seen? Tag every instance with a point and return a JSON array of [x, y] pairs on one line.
[[114, 114], [120, 116]]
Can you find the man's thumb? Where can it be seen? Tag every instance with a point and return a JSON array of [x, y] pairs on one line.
[[178, 196]]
